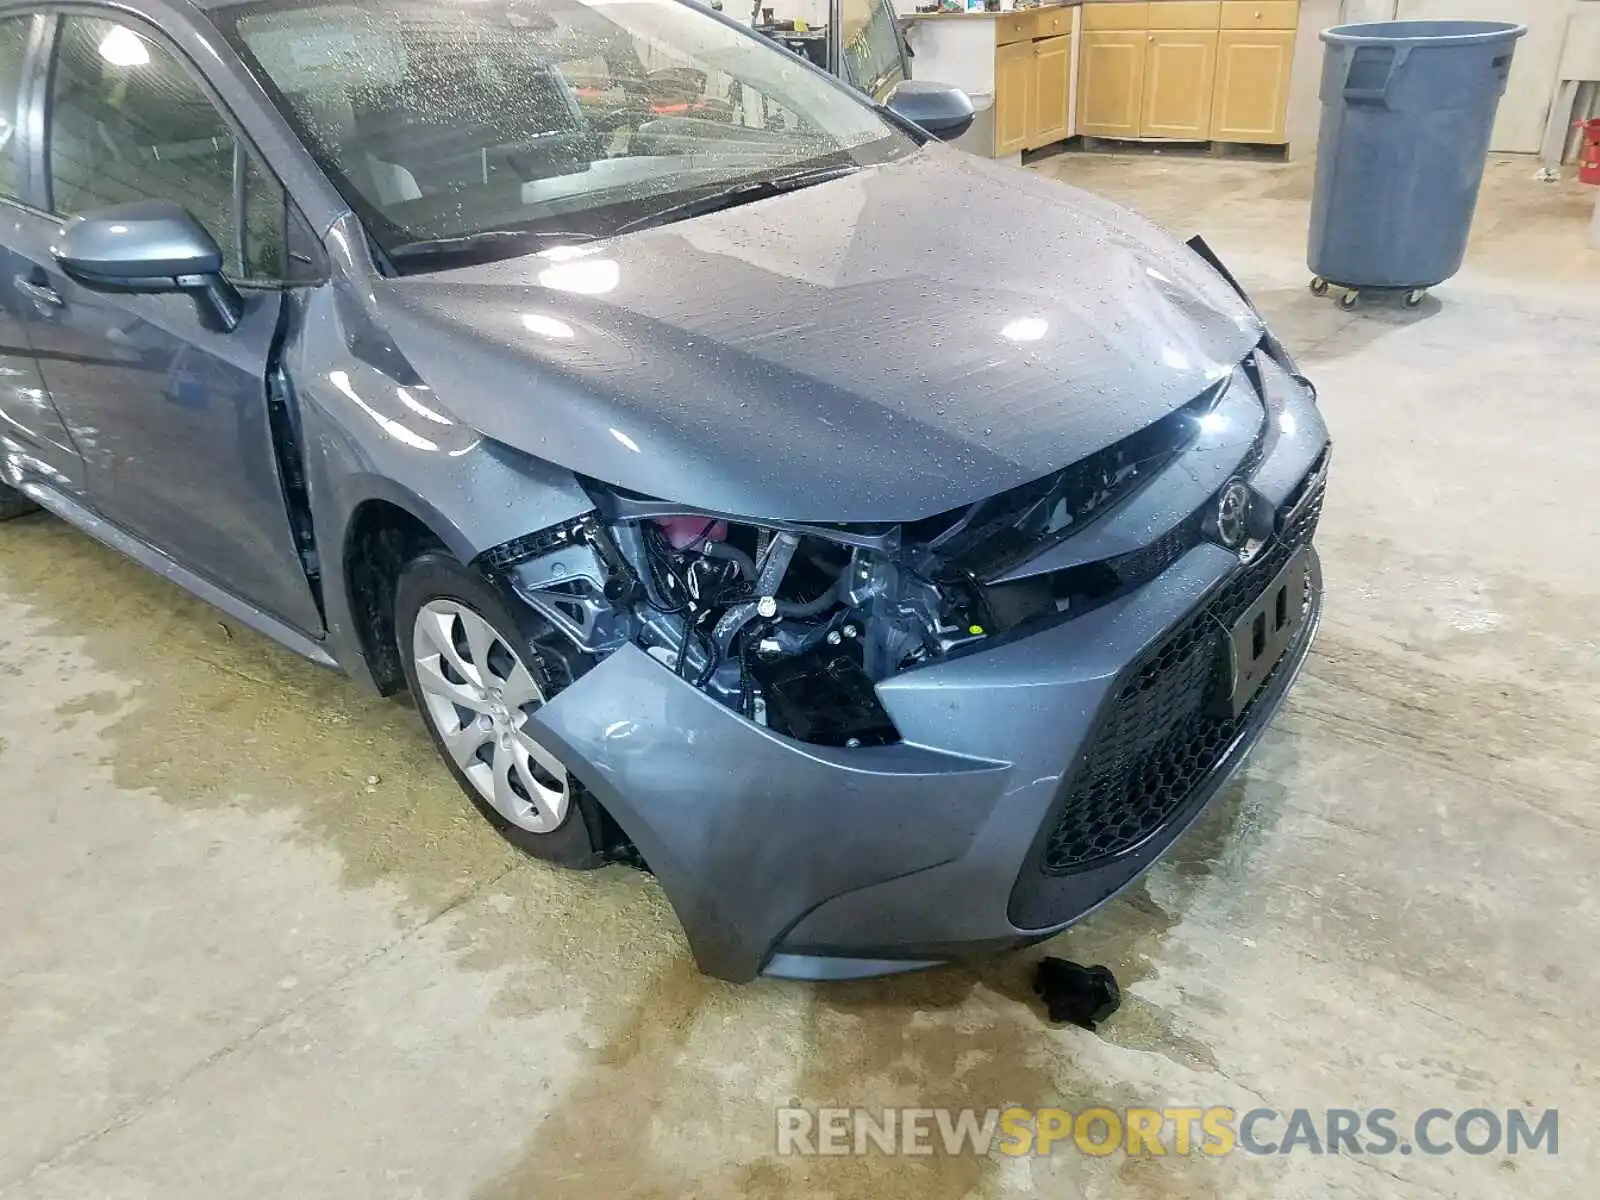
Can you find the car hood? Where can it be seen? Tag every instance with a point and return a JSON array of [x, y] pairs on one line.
[[883, 347]]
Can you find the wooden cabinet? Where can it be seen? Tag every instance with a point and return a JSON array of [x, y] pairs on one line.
[[1179, 80], [1111, 82], [1032, 79], [1186, 70], [1252, 92], [1013, 81], [1052, 77]]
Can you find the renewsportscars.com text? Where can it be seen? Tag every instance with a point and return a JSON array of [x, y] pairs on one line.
[[1214, 1131]]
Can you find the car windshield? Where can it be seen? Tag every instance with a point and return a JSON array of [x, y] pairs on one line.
[[451, 124]]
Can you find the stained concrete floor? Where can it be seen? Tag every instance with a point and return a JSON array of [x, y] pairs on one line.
[[230, 965]]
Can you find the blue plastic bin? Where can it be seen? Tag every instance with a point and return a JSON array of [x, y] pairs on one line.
[[1407, 109]]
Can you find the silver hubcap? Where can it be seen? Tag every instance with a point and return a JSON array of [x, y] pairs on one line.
[[479, 694]]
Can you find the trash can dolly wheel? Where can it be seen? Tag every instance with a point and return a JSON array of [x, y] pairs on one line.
[[1351, 297]]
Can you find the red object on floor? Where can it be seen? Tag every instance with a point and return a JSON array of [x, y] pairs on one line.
[[1589, 156]]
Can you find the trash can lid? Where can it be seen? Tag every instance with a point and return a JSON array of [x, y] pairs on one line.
[[1423, 33]]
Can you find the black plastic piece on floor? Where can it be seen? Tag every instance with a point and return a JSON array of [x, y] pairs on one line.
[[1083, 995]]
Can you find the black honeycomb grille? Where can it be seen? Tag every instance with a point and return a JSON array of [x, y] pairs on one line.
[[1144, 564], [1169, 725]]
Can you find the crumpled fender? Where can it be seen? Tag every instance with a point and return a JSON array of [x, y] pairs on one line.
[[742, 827]]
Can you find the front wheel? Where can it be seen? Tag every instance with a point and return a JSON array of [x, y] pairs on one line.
[[479, 671]]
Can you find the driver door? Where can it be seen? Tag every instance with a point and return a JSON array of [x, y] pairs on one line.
[[32, 433], [169, 412]]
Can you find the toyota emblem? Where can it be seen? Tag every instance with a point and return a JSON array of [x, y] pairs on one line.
[[1233, 514]]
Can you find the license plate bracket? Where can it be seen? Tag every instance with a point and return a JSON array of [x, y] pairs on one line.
[[1270, 626]]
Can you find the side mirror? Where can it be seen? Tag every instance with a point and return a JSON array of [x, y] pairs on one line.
[[945, 112], [150, 246]]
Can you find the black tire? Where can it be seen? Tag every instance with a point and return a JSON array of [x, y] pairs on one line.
[[581, 838], [14, 504]]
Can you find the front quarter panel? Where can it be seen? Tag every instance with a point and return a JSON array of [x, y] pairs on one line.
[[373, 430]]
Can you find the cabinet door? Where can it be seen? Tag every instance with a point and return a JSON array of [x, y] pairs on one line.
[[1252, 85], [1111, 83], [1052, 67], [1178, 81], [1013, 83]]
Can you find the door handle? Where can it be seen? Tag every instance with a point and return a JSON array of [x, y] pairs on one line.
[[45, 298]]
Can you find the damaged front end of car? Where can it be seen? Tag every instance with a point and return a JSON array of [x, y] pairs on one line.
[[849, 748], [792, 625]]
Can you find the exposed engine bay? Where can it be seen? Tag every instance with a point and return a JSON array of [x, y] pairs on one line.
[[790, 628], [792, 625]]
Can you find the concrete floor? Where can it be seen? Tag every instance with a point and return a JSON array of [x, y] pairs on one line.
[[233, 966]]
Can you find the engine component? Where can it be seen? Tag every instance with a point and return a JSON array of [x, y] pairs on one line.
[[771, 569], [790, 628], [823, 696], [689, 533]]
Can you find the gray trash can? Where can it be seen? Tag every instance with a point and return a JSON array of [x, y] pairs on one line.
[[1407, 109]]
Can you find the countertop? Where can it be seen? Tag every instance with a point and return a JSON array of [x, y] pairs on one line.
[[982, 15], [962, 16]]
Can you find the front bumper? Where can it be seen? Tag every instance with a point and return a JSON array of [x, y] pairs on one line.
[[818, 862]]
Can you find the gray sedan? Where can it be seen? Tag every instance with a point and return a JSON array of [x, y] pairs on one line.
[[892, 551]]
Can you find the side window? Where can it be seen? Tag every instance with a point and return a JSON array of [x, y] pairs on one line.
[[128, 121], [14, 33], [265, 221]]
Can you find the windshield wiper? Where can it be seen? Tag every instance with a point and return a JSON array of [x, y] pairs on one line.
[[739, 193], [491, 241], [495, 242]]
